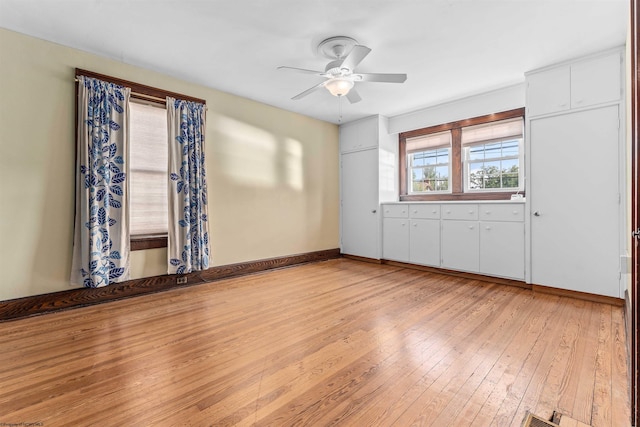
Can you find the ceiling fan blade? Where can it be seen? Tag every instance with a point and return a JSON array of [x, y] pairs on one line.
[[383, 78], [308, 91], [353, 96], [357, 54], [301, 70]]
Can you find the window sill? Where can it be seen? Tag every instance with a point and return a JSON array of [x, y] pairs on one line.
[[140, 243], [495, 195]]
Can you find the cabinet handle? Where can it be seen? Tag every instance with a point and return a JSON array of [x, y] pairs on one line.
[[415, 225], [563, 105], [415, 211], [373, 211], [487, 212], [471, 227], [537, 213], [579, 101], [403, 224], [433, 212], [448, 212], [487, 228], [470, 212], [515, 212]]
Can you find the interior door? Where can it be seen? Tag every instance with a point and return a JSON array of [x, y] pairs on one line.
[[359, 183], [574, 197]]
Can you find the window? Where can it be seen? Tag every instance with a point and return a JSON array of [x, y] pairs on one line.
[[474, 159], [148, 165], [429, 164], [148, 161], [492, 154]]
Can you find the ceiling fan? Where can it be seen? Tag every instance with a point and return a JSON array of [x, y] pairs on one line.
[[340, 74]]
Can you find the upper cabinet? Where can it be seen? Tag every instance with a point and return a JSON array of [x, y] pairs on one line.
[[549, 91], [591, 81], [359, 135]]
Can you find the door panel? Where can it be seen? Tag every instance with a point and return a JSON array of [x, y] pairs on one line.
[[360, 204], [574, 201]]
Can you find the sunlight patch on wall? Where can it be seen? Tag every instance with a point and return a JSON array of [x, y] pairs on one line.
[[293, 164], [248, 153]]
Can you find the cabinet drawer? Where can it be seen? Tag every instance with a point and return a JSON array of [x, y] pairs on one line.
[[395, 211], [463, 212], [424, 211], [499, 212]]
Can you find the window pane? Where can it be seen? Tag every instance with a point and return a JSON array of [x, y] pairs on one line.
[[476, 152], [493, 151], [148, 170], [510, 148], [442, 172], [429, 170]]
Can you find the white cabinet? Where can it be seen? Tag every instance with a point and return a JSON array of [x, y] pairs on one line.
[[461, 245], [424, 242], [592, 81], [486, 238], [502, 240], [424, 234], [502, 249], [549, 92], [367, 154], [395, 235], [596, 81], [575, 168], [359, 135]]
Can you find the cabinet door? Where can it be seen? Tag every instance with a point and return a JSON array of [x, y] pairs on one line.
[[359, 135], [424, 242], [360, 227], [595, 81], [549, 91], [395, 239], [460, 245], [502, 249], [575, 201]]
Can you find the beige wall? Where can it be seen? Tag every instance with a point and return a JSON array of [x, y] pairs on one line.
[[273, 175]]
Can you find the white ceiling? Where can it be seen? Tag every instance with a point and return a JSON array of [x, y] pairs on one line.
[[448, 48]]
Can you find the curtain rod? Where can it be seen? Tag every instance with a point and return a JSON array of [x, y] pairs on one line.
[[149, 97], [141, 95]]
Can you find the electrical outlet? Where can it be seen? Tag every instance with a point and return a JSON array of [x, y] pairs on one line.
[[182, 280]]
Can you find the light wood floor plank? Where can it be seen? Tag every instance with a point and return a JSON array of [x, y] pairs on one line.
[[339, 342]]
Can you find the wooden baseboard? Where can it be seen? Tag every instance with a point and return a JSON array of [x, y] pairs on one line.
[[472, 276], [73, 298], [619, 302], [363, 259]]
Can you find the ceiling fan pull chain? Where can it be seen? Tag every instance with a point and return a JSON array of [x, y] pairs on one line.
[[339, 109]]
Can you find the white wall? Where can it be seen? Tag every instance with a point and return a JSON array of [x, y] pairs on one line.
[[273, 175]]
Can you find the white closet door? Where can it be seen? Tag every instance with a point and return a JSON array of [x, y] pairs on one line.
[[359, 182], [574, 201]]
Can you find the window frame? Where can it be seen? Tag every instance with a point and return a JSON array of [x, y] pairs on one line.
[[144, 93], [457, 163]]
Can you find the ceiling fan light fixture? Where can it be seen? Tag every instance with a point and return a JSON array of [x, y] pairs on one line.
[[339, 87]]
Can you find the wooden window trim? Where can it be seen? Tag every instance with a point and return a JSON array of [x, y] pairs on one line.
[[457, 191], [138, 91]]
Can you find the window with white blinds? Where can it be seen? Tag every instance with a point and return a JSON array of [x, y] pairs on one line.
[[429, 164], [148, 160], [476, 158], [492, 155]]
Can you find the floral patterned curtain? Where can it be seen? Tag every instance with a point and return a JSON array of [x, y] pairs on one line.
[[101, 240], [188, 241]]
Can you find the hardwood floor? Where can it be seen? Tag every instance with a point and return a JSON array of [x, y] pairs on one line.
[[339, 342]]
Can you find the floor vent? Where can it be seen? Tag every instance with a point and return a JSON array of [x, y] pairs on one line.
[[531, 420]]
